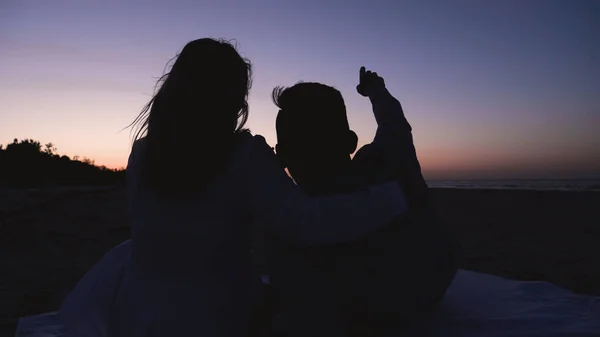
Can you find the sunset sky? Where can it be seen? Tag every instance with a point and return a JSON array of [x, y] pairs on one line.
[[493, 89]]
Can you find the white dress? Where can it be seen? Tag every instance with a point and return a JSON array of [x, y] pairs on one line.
[[190, 271]]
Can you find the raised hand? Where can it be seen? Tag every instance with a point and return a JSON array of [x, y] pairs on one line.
[[369, 82]]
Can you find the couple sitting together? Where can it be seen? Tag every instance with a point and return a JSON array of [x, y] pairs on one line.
[[352, 248]]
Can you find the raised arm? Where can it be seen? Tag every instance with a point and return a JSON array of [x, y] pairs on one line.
[[393, 141], [392, 127], [279, 204], [393, 130]]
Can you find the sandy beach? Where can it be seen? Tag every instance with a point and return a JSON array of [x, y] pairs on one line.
[[51, 237]]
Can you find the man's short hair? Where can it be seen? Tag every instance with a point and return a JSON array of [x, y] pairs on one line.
[[309, 110]]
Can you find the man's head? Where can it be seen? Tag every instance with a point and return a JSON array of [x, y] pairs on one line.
[[314, 139]]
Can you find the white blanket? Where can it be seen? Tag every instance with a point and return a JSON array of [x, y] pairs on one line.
[[475, 305], [479, 304]]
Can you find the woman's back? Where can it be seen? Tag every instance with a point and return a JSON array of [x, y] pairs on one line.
[[189, 259]]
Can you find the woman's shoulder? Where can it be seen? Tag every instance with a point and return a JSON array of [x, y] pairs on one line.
[[138, 148], [139, 144]]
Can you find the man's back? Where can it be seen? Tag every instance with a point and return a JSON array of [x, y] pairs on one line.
[[386, 277]]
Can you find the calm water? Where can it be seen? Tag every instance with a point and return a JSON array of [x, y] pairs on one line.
[[539, 185]]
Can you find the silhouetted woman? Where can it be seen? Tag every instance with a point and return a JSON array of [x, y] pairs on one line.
[[197, 182]]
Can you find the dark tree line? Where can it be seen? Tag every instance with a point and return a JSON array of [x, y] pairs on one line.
[[27, 163]]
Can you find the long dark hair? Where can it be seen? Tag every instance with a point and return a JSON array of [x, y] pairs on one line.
[[194, 118]]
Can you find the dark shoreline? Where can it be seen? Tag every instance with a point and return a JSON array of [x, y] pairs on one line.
[[521, 234], [529, 235]]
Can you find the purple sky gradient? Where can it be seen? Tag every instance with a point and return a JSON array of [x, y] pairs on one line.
[[493, 89]]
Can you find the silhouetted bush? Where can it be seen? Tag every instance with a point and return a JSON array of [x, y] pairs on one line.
[[26, 163]]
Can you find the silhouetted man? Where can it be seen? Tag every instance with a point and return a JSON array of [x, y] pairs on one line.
[[390, 277]]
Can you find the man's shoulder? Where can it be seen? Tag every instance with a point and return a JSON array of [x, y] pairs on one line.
[[365, 150], [369, 154], [369, 163]]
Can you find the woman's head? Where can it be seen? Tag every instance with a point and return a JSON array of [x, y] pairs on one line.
[[197, 111], [208, 83]]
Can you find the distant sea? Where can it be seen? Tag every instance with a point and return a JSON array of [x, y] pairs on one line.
[[536, 185]]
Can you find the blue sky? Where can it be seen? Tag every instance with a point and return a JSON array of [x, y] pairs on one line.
[[492, 88]]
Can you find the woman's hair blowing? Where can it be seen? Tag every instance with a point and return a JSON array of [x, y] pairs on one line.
[[193, 120]]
